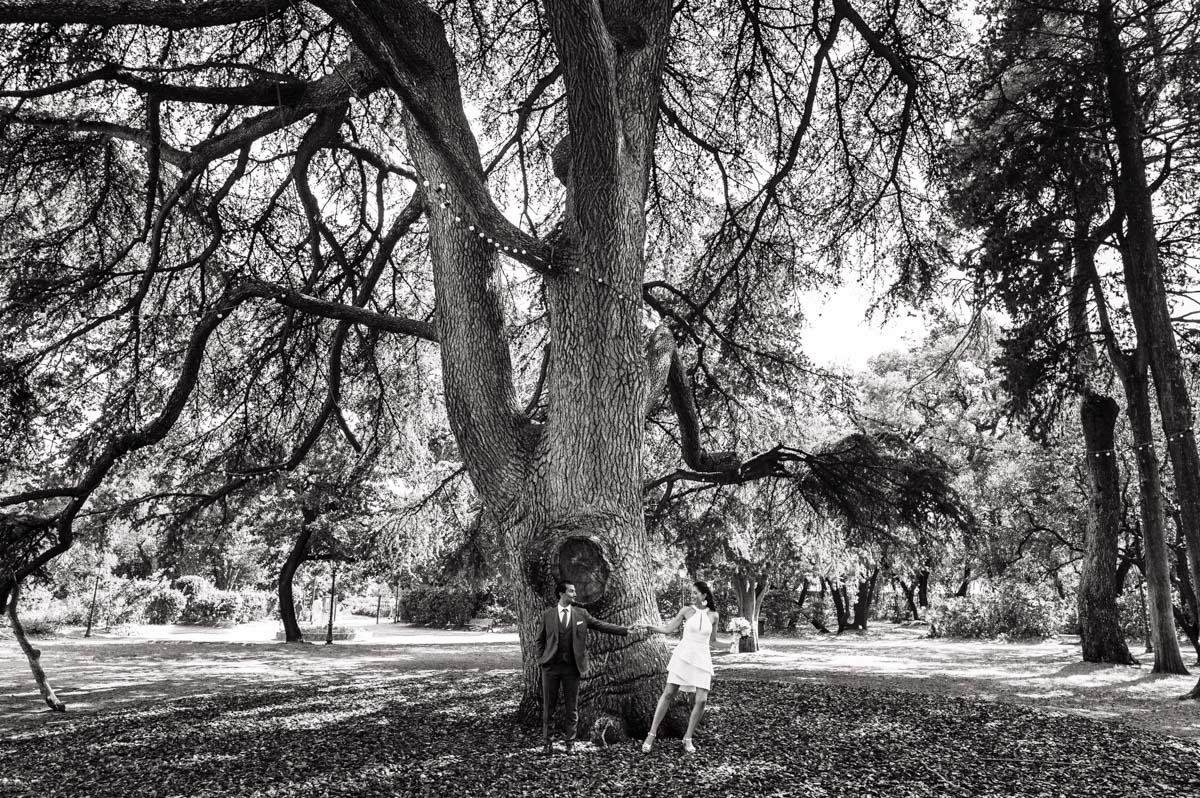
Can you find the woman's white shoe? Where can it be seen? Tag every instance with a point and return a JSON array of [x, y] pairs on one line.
[[687, 745], [648, 744]]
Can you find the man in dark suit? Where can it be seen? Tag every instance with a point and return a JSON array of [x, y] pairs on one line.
[[562, 653]]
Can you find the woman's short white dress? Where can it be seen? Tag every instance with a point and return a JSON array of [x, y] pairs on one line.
[[691, 662]]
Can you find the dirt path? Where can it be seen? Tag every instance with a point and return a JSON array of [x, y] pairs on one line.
[[163, 663]]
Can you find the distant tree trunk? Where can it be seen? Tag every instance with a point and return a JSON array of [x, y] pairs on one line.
[[87, 632], [817, 617], [1144, 285], [910, 592], [32, 654], [841, 605], [923, 589], [287, 604], [797, 607], [751, 590], [863, 600], [965, 584], [1099, 619]]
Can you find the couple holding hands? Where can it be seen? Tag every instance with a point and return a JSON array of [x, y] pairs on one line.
[[562, 654]]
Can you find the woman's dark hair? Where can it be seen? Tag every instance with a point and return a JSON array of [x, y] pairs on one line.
[[706, 591]]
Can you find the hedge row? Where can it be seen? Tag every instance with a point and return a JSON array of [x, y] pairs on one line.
[[192, 599], [450, 606]]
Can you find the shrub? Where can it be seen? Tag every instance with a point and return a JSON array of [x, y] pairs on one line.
[[211, 607], [165, 605], [450, 606], [1008, 610], [779, 610], [128, 600], [254, 605], [193, 585], [41, 622], [502, 615]]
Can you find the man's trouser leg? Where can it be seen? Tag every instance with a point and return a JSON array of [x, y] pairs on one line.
[[551, 677]]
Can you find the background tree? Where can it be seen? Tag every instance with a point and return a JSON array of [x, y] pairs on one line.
[[1058, 203]]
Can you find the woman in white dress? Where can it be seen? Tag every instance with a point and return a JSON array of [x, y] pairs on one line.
[[690, 668]]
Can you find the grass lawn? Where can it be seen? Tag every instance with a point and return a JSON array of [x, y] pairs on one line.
[[426, 713]]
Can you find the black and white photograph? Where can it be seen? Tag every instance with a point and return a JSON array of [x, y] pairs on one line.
[[623, 398]]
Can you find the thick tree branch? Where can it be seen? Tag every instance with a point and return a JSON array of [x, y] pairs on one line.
[[337, 310], [406, 42], [664, 365], [588, 58]]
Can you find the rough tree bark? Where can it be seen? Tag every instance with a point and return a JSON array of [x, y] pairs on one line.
[[1144, 285], [1099, 619]]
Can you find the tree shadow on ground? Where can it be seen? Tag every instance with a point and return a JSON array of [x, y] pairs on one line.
[[97, 675], [1042, 674], [453, 733]]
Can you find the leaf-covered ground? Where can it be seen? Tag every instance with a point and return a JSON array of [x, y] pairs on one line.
[[451, 733]]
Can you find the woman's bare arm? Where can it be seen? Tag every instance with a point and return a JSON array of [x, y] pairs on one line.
[[672, 626]]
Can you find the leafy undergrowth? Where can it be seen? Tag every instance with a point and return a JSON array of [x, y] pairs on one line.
[[451, 733]]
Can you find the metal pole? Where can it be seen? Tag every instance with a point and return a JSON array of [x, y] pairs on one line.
[[332, 599]]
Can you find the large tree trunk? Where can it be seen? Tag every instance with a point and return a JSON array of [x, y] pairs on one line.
[[1099, 619], [1145, 289], [1163, 638], [287, 601], [31, 653], [923, 589], [608, 561], [567, 493]]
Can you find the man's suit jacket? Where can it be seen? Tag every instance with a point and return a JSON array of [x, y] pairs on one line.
[[580, 621]]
